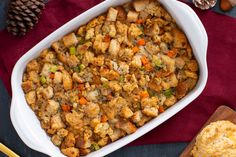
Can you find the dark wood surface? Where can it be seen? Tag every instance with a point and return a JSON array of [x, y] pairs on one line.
[[222, 113]]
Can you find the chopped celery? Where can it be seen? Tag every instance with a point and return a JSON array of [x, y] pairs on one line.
[[43, 79], [105, 85], [53, 69], [72, 50], [81, 67], [122, 78], [168, 92], [95, 146]]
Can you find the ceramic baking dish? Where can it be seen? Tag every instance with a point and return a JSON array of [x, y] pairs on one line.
[[25, 121]]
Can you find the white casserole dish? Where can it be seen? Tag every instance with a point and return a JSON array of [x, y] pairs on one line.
[[28, 126]]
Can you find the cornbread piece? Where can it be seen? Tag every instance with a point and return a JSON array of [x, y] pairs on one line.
[[218, 139]]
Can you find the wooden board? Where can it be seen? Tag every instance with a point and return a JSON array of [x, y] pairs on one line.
[[221, 113]]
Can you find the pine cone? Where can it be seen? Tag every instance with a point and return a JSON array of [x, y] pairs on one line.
[[23, 15]]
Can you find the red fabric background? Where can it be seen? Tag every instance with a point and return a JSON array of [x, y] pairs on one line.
[[220, 89]]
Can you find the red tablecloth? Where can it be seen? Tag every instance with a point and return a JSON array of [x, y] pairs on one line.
[[220, 89]]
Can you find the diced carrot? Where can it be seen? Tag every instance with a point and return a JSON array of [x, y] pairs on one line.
[[66, 108], [144, 94], [161, 109], [139, 21], [107, 38], [135, 49], [81, 87], [104, 118], [82, 101], [141, 42], [148, 67], [172, 53], [52, 75], [144, 60]]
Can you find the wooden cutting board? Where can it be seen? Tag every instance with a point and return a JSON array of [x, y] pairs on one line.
[[221, 113]]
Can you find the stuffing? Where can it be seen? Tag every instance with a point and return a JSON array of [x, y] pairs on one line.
[[121, 16], [112, 31], [132, 16], [123, 68], [150, 111], [74, 119], [47, 93], [170, 101], [52, 107], [77, 78], [46, 69], [137, 116], [102, 129], [136, 61], [179, 62], [151, 48], [62, 133], [126, 112], [92, 110], [99, 45], [134, 31], [181, 89], [140, 5], [126, 54], [116, 134], [70, 152], [167, 37], [33, 76], [32, 66], [57, 140], [152, 30], [114, 85], [67, 80], [192, 65], [56, 122], [110, 74], [170, 81], [127, 126], [57, 78], [70, 40], [30, 97], [180, 40], [112, 14], [129, 87], [191, 74], [27, 86], [170, 63], [149, 102], [89, 34], [114, 47], [103, 141], [98, 61]]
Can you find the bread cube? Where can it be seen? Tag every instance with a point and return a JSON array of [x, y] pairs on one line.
[[112, 14], [132, 16], [140, 5], [70, 40]]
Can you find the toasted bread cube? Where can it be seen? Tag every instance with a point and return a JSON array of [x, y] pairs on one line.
[[132, 16], [114, 47], [70, 40], [140, 5], [112, 14]]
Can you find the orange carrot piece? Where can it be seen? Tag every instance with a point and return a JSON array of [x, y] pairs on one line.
[[135, 49], [66, 108], [52, 76], [141, 42], [144, 60], [144, 94], [104, 118], [107, 38], [172, 53], [148, 67], [161, 109], [139, 21], [82, 101]]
